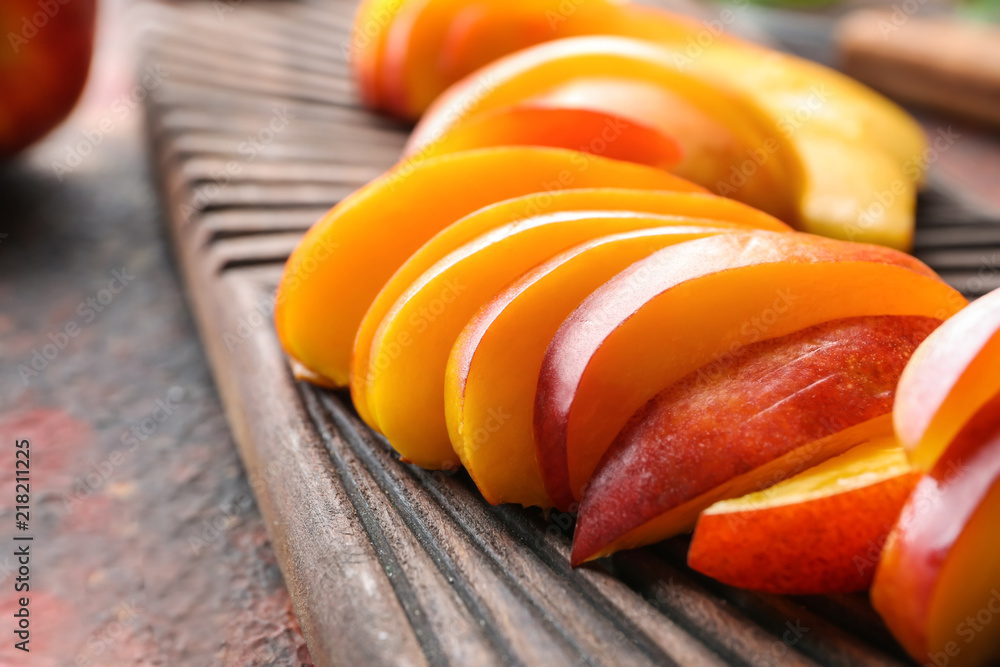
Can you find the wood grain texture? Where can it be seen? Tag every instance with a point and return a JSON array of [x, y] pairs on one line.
[[940, 62], [387, 563]]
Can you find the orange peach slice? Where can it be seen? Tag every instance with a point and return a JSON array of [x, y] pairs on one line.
[[684, 307], [683, 204], [937, 585], [640, 87], [780, 406], [819, 532], [948, 380], [493, 369], [437, 42], [597, 132], [344, 260], [366, 49], [411, 347]]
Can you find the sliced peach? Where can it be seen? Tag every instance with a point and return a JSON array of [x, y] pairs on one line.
[[780, 406], [493, 368], [442, 41], [726, 141], [609, 134], [435, 43], [818, 532], [411, 347], [948, 380], [367, 47], [786, 155], [683, 204], [683, 307], [344, 260], [853, 193], [806, 97], [937, 585]]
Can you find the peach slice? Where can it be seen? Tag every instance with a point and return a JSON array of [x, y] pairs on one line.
[[437, 42], [816, 533], [533, 124], [683, 204], [493, 368], [411, 347], [780, 406], [639, 87], [366, 49], [948, 380], [854, 193], [344, 260], [797, 162], [937, 585], [684, 307]]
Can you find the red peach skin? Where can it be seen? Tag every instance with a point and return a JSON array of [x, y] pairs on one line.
[[938, 582], [949, 378], [819, 532], [774, 410], [681, 308]]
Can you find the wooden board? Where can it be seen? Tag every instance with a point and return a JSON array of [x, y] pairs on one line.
[[255, 132]]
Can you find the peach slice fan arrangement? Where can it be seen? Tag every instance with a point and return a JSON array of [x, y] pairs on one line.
[[661, 291]]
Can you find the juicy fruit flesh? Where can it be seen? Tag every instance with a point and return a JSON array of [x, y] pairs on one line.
[[719, 292], [939, 570], [691, 204], [493, 369], [411, 347], [446, 40], [973, 389], [718, 424], [816, 533], [533, 125], [970, 583], [866, 464], [844, 191], [339, 267], [950, 378], [451, 40], [718, 128]]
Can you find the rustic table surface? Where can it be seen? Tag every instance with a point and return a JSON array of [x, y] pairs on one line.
[[149, 548]]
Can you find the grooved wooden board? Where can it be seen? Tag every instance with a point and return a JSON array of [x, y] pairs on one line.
[[256, 132]]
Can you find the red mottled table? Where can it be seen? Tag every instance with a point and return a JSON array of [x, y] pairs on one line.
[[148, 549]]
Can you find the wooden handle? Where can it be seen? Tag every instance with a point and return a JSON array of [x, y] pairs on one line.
[[940, 62]]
